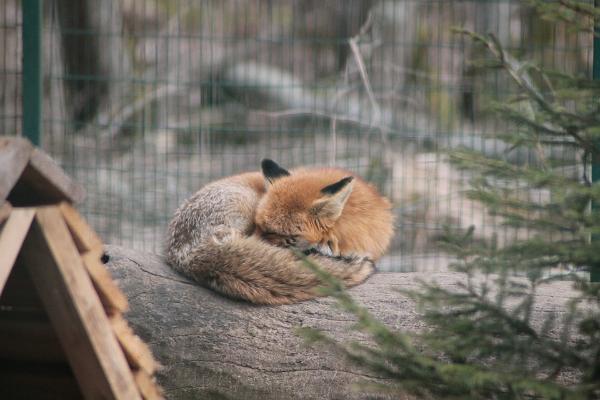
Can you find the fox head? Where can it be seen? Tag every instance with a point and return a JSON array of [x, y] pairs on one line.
[[300, 208]]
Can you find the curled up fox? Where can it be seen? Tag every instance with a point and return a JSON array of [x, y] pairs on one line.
[[234, 234]]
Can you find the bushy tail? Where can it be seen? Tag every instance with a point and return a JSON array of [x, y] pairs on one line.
[[249, 269]]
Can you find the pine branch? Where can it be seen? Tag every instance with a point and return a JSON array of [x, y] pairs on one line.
[[518, 71]]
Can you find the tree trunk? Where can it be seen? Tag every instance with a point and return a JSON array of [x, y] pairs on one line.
[[211, 345], [93, 54]]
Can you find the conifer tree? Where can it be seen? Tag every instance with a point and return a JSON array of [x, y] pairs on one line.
[[482, 343]]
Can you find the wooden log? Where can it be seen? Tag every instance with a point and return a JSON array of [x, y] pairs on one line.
[[75, 309], [209, 344], [249, 81]]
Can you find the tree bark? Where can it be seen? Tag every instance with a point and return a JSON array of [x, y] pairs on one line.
[[213, 347]]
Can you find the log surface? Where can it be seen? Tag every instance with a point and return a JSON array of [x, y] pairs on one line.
[[209, 344]]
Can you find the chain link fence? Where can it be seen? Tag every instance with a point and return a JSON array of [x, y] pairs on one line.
[[146, 101]]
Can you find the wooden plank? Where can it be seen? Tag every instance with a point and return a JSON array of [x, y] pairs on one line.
[[14, 156], [137, 352], [91, 248], [111, 296], [28, 176], [75, 310], [39, 381], [19, 293], [24, 337], [84, 236], [11, 239], [44, 182], [148, 387], [54, 175], [5, 210]]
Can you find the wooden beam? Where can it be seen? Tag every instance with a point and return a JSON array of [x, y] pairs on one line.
[[111, 296], [75, 310], [148, 387], [11, 239], [84, 236], [5, 210], [14, 157], [137, 352], [90, 247]]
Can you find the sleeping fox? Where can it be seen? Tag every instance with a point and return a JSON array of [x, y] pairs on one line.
[[324, 208], [232, 235]]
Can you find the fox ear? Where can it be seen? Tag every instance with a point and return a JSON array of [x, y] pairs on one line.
[[272, 171], [334, 198]]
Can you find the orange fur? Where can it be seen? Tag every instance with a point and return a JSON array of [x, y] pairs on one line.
[[290, 208]]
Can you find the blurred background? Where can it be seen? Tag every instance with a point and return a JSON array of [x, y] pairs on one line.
[[146, 101]]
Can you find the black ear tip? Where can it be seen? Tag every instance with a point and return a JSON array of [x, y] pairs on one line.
[[336, 187], [266, 162], [272, 170], [269, 165]]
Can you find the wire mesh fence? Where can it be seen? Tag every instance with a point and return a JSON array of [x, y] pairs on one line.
[[146, 101]]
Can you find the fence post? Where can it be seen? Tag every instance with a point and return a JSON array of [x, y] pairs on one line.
[[32, 70], [595, 270]]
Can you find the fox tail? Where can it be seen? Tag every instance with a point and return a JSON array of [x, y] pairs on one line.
[[247, 268]]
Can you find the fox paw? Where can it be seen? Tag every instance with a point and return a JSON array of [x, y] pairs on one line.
[[365, 268], [371, 264]]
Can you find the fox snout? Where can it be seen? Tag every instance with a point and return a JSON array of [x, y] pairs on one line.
[[296, 242], [281, 241], [288, 241]]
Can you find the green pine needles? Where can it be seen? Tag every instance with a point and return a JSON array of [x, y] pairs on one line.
[[482, 342]]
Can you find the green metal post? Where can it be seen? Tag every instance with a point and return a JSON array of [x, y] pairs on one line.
[[595, 271], [32, 70]]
